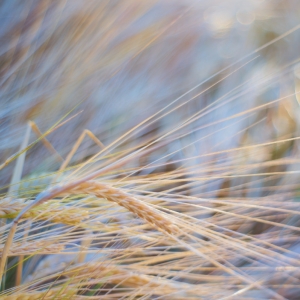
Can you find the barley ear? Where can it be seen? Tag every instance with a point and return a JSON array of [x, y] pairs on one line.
[[139, 208]]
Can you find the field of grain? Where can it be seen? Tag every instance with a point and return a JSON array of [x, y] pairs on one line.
[[149, 149]]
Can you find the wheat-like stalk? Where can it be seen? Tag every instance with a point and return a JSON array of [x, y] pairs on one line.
[[52, 211], [86, 273], [55, 293], [134, 205], [10, 208], [40, 246], [137, 207], [127, 277]]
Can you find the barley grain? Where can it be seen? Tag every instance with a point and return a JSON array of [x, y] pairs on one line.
[[139, 208], [51, 211]]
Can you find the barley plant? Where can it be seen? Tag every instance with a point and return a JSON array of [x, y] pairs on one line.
[[149, 149]]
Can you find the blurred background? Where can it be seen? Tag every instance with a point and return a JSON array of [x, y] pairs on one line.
[[118, 62]]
